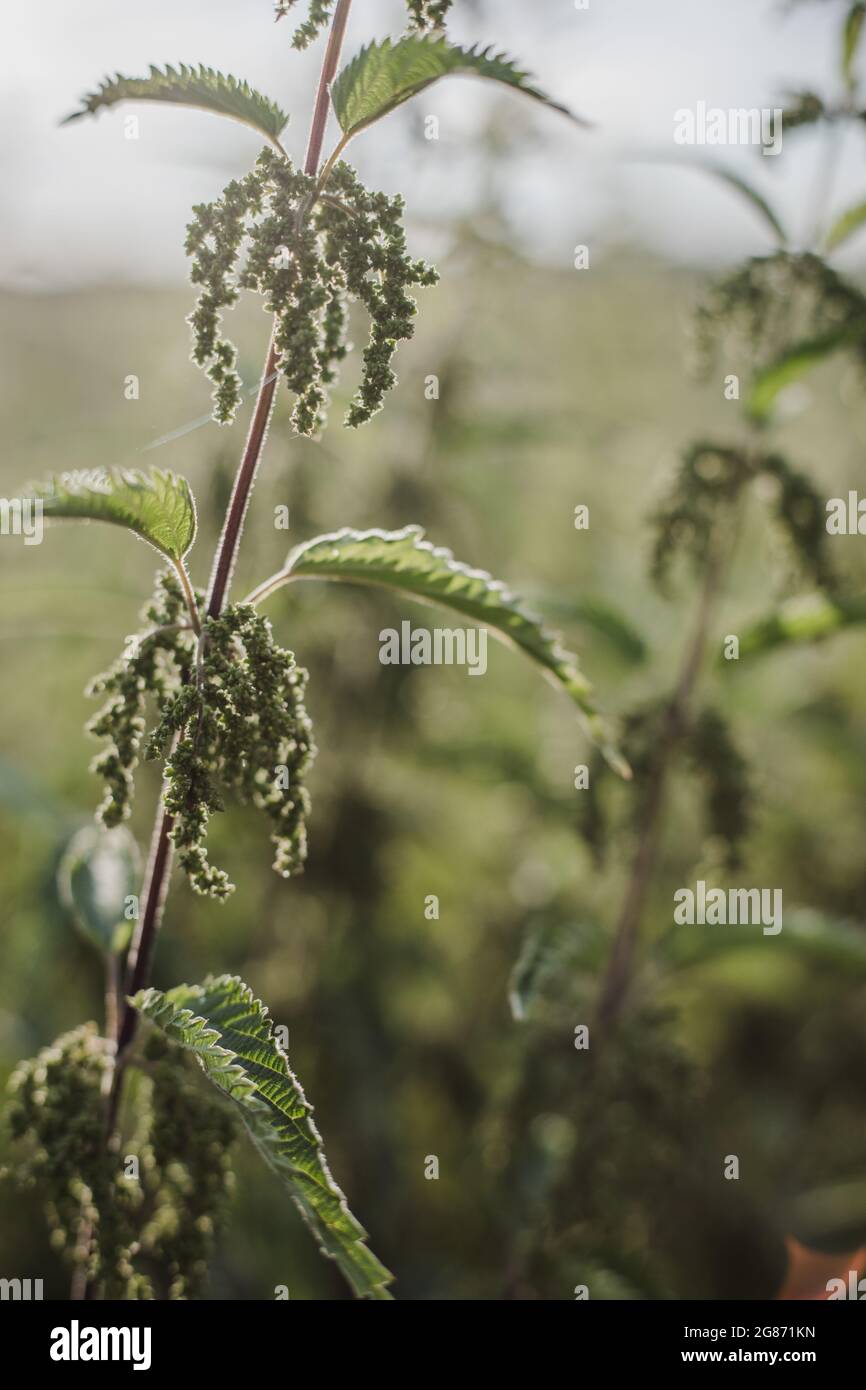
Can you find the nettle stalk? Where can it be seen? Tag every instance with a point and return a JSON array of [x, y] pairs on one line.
[[159, 863]]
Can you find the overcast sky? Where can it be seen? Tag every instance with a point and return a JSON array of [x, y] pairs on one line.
[[83, 203]]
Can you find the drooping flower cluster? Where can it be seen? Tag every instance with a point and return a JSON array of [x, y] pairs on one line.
[[801, 514], [308, 256], [775, 303], [425, 15], [231, 717], [240, 725], [317, 19], [715, 758], [106, 1215], [707, 748], [708, 482], [709, 479], [154, 663], [57, 1109], [188, 1156]]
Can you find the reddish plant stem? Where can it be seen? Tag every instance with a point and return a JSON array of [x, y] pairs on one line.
[[141, 951], [323, 95], [617, 977], [246, 475], [226, 552], [161, 850]]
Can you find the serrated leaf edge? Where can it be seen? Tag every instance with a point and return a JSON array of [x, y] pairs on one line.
[[231, 1077], [94, 102], [122, 477], [576, 684], [522, 82]]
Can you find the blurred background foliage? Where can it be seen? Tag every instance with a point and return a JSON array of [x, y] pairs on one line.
[[455, 1037]]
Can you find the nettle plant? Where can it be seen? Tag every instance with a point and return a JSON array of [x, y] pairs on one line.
[[135, 1196], [651, 1181], [759, 331]]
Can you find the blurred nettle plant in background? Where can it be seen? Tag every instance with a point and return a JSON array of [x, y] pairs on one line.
[[756, 333], [205, 688]]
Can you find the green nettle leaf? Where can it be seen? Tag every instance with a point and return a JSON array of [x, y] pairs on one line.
[[793, 365], [405, 562], [851, 40], [807, 618], [384, 75], [189, 86], [747, 191], [231, 1034], [812, 937], [845, 225], [559, 964], [97, 874], [604, 618], [158, 506]]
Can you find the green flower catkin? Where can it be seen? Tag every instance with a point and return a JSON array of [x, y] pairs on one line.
[[774, 304], [241, 725], [230, 718], [708, 482], [424, 15], [308, 256], [155, 663], [318, 18], [427, 14], [105, 1219], [57, 1111], [190, 1139]]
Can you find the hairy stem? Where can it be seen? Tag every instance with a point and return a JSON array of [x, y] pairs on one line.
[[141, 951], [188, 595], [227, 549], [323, 95], [159, 861], [328, 166]]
